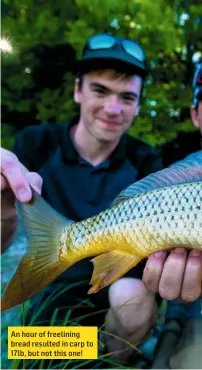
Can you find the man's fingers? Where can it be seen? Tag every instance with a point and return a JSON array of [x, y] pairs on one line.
[[153, 270], [176, 277], [191, 286], [12, 172], [17, 177], [172, 274], [16, 180], [35, 181]]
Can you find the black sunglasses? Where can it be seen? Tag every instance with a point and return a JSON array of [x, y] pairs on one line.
[[100, 42]]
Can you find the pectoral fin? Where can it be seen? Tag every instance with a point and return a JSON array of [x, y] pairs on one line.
[[110, 266]]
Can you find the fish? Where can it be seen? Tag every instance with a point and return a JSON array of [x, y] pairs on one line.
[[159, 212]]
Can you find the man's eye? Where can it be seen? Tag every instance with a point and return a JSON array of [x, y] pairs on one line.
[[99, 91], [129, 99]]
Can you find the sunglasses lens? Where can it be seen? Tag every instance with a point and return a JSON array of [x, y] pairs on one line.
[[107, 41], [133, 49], [101, 42]]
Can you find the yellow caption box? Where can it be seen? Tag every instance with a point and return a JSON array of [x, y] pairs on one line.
[[45, 342]]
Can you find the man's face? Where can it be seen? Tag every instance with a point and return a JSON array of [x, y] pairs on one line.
[[196, 115], [107, 105]]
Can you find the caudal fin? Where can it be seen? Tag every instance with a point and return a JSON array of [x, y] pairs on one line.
[[43, 260]]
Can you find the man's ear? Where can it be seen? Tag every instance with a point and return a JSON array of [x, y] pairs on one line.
[[77, 91], [194, 116]]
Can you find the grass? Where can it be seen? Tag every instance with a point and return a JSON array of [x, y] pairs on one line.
[[104, 360]]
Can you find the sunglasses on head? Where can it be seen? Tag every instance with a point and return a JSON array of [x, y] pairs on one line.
[[101, 42]]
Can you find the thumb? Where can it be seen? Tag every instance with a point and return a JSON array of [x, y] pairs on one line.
[[35, 180]]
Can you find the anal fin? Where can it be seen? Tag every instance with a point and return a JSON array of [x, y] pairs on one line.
[[110, 266]]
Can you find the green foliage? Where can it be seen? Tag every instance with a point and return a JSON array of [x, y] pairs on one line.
[[169, 31], [7, 136], [52, 105]]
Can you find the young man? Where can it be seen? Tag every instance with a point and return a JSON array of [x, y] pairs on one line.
[[180, 345], [83, 166]]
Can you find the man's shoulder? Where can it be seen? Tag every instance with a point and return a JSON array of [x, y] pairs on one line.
[[144, 156], [42, 132], [139, 148], [34, 144]]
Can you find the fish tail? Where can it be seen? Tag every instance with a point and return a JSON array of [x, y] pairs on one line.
[[46, 256]]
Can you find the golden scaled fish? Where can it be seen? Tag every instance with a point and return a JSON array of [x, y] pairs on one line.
[[159, 212]]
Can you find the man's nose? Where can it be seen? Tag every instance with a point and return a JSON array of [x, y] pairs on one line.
[[112, 105]]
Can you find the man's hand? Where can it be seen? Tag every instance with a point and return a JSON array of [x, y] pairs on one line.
[[176, 276], [15, 183]]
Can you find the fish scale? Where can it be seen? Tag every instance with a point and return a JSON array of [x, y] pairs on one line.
[[131, 227]]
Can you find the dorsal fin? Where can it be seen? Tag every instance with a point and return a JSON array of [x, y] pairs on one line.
[[187, 170]]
